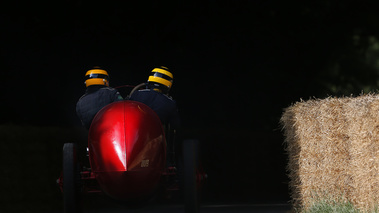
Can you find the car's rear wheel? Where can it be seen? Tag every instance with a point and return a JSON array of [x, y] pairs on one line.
[[70, 179], [190, 162]]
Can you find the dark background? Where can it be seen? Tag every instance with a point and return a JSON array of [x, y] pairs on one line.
[[236, 66]]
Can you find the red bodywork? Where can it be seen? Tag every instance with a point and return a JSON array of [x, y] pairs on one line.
[[127, 149]]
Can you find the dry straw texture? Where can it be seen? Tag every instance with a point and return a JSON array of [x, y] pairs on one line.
[[333, 148]]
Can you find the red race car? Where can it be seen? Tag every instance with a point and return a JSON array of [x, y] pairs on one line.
[[127, 158]]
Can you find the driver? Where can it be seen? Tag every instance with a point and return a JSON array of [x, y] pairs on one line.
[[98, 94], [156, 96]]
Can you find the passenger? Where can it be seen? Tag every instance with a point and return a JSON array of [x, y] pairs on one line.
[[156, 97], [98, 94]]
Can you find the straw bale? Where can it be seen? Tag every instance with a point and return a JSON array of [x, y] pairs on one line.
[[333, 149]]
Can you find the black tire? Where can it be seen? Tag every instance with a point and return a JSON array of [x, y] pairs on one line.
[[70, 179], [190, 161]]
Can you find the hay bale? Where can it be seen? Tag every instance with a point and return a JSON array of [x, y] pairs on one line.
[[333, 149]]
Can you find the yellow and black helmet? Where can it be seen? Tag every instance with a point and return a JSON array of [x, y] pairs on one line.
[[161, 78], [96, 76]]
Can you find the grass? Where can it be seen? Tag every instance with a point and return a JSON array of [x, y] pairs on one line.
[[341, 205]]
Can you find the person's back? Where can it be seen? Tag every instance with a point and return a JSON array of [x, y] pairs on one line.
[[156, 97], [163, 105], [98, 95]]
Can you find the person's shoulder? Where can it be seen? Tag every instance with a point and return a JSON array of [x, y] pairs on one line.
[[143, 90], [139, 92], [168, 97], [108, 88], [84, 95], [81, 97]]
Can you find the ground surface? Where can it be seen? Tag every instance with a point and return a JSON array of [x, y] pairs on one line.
[[110, 207], [220, 208]]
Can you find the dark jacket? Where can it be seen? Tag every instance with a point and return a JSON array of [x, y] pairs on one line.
[[162, 104], [95, 98]]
